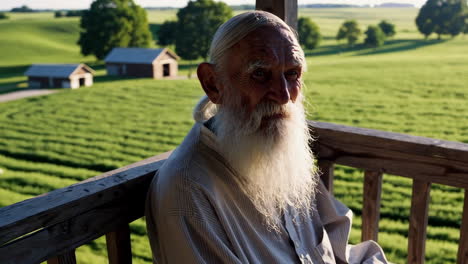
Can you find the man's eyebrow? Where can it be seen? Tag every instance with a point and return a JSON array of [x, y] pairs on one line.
[[256, 64]]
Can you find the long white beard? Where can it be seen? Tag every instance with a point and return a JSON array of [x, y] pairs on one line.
[[275, 165]]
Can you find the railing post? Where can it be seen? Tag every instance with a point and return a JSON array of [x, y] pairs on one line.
[[371, 205], [67, 258], [118, 246], [462, 257], [418, 221], [327, 169], [284, 9]]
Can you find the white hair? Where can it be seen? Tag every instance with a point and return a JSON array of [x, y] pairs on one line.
[[240, 26]]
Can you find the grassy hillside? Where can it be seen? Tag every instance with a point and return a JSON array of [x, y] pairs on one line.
[[409, 85], [35, 38]]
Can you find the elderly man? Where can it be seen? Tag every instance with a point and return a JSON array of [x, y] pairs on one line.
[[243, 187]]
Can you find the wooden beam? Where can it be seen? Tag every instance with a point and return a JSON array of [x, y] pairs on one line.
[[463, 244], [48, 209], [78, 230], [119, 248], [371, 205], [418, 222], [327, 169], [426, 159], [284, 9], [67, 258]]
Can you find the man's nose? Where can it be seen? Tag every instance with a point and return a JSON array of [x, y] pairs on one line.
[[279, 91]]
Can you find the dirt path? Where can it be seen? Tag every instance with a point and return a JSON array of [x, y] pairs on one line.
[[25, 93]]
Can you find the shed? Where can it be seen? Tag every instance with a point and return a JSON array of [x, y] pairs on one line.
[[59, 76], [142, 62]]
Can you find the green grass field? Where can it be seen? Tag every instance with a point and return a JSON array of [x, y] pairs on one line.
[[409, 86]]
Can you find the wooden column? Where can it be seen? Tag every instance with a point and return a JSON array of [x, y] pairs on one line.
[[67, 258], [326, 168], [463, 244], [118, 246], [284, 9], [371, 205], [418, 222]]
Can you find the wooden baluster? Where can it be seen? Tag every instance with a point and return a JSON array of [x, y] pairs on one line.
[[67, 258], [284, 9], [418, 221], [463, 244], [371, 205], [326, 168], [118, 246]]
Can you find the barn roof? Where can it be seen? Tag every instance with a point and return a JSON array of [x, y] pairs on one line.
[[55, 70], [136, 55]]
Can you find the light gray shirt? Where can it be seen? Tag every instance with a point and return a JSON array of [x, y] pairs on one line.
[[196, 213]]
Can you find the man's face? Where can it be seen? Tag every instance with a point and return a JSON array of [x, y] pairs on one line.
[[265, 66], [261, 123]]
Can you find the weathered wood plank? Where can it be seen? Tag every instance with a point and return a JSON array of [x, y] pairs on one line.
[[79, 229], [327, 169], [331, 148], [436, 161], [381, 140], [414, 170], [418, 222], [119, 249], [27, 216], [371, 205], [67, 258], [284, 9], [462, 257]]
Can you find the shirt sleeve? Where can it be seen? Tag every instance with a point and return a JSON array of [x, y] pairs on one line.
[[337, 220], [183, 227]]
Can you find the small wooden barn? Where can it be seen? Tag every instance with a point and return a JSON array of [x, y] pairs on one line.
[[59, 76], [141, 62]]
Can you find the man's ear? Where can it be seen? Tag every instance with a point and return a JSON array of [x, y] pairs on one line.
[[208, 80]]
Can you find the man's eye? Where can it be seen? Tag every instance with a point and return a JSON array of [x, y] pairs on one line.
[[292, 75], [259, 74]]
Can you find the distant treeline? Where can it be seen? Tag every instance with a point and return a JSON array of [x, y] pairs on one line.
[[69, 13], [59, 13], [252, 7], [22, 9], [384, 5]]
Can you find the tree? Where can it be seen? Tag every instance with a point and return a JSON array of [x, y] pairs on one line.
[[22, 9], [3, 15], [387, 28], [441, 17], [375, 37], [424, 20], [113, 23], [196, 25], [74, 13], [350, 31], [465, 31], [58, 14], [167, 33], [309, 33]]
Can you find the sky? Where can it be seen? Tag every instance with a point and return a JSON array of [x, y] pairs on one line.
[[84, 4]]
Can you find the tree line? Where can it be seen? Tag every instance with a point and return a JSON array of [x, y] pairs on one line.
[[375, 34], [122, 23], [69, 13]]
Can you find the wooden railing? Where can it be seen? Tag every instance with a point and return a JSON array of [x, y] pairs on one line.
[[50, 227]]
